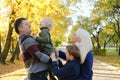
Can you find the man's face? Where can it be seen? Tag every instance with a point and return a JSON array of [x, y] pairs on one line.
[[24, 27]]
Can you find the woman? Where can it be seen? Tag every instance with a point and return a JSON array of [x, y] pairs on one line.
[[82, 39]]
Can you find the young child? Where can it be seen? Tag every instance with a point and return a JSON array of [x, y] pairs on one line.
[[71, 70], [44, 40]]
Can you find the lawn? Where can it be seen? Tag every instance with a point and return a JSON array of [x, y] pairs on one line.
[[111, 58]]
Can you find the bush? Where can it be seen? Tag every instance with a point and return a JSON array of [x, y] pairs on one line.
[[98, 51], [102, 52]]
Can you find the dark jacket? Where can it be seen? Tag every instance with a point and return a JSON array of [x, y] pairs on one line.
[[86, 71], [70, 71]]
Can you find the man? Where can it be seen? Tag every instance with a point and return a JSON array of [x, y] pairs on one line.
[[36, 62]]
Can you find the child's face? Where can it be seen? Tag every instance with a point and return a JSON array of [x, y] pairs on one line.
[[42, 24], [68, 56]]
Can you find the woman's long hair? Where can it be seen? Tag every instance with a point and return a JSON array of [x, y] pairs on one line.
[[85, 45]]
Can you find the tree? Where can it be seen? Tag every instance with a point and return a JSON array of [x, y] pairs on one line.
[[107, 35], [0, 43], [34, 11], [8, 40], [115, 41], [109, 11], [16, 52], [116, 22]]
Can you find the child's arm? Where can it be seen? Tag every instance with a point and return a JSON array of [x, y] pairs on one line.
[[60, 63], [62, 54], [65, 71], [43, 36]]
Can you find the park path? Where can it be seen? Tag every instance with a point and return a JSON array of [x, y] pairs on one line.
[[101, 71]]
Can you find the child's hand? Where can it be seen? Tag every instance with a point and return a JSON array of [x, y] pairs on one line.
[[53, 57], [34, 35]]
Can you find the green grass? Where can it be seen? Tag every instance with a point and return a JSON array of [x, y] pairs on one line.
[[111, 58], [112, 52]]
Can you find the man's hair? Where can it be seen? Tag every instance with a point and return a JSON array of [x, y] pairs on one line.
[[17, 23], [73, 50]]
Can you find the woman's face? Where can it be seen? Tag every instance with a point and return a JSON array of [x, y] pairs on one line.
[[75, 38]]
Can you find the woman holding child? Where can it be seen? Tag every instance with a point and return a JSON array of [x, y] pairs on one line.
[[81, 39]]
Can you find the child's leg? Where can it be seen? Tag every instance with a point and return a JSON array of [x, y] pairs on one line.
[[51, 75]]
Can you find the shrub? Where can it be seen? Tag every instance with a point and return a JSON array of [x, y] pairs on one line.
[[99, 51]]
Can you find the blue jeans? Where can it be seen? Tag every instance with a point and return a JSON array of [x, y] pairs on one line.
[[38, 76]]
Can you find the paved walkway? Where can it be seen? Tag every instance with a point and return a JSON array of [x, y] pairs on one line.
[[102, 71]]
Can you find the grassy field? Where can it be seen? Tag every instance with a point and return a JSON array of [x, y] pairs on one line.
[[112, 60], [112, 51], [111, 57]]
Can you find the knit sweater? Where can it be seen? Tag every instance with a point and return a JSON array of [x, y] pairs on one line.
[[34, 60]]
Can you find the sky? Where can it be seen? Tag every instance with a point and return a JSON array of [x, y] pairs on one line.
[[82, 8]]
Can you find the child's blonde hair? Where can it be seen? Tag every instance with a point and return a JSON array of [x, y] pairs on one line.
[[49, 23]]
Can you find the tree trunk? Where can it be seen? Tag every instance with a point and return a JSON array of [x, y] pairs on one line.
[[104, 46], [119, 51], [15, 53], [12, 46], [17, 56], [7, 44], [98, 41], [0, 43], [8, 40], [98, 44]]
